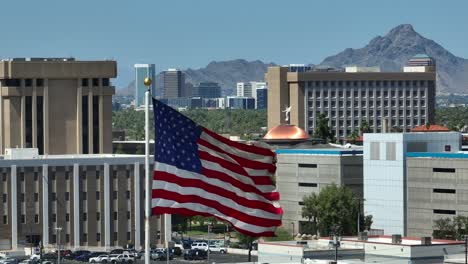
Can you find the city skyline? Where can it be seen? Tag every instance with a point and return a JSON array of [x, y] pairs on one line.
[[120, 35]]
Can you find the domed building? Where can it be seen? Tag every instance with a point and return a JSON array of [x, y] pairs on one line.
[[290, 136]]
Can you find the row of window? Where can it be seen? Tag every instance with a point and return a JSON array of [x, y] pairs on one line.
[[67, 217], [84, 237], [348, 123], [364, 94], [382, 84], [17, 82], [84, 195], [52, 176], [363, 103], [378, 113]]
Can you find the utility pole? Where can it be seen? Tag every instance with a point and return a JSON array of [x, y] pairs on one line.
[[58, 229], [466, 249]]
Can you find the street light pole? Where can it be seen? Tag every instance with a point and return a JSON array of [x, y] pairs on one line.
[[58, 229]]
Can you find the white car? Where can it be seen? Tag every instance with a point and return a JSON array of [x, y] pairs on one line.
[[99, 259], [200, 245], [216, 248], [121, 258]]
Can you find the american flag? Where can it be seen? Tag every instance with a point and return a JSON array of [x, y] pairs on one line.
[[198, 172]]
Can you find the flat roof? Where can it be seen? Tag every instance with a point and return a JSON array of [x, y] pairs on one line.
[[443, 155], [334, 151]]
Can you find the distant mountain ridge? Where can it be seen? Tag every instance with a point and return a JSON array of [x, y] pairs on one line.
[[390, 52]]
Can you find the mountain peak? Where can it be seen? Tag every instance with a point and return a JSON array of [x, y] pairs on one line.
[[403, 28]]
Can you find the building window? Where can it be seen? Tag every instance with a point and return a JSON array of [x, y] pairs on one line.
[[307, 184], [307, 165], [4, 177], [115, 215], [54, 196], [115, 195], [98, 237], [39, 82], [98, 174], [28, 121], [375, 151], [105, 82], [85, 124], [54, 218], [67, 238], [84, 82], [301, 203], [444, 191], [116, 236], [84, 196], [96, 124], [446, 170], [98, 195], [128, 214], [440, 211], [5, 219], [23, 219], [28, 82], [128, 236], [22, 197], [67, 217], [67, 175], [40, 123], [98, 216], [128, 195], [21, 176], [67, 196], [391, 151], [36, 218], [95, 82], [52, 176], [85, 217], [85, 237]]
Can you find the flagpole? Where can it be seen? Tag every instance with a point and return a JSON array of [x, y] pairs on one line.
[[148, 188]]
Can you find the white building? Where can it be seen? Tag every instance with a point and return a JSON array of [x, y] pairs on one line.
[[385, 179]]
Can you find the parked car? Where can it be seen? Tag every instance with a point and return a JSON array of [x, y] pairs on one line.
[[215, 248], [121, 258], [177, 251], [195, 254], [75, 255], [155, 254], [117, 251], [200, 245], [8, 261], [99, 259], [65, 253]]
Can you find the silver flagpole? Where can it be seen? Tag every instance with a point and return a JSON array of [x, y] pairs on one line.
[[148, 188]]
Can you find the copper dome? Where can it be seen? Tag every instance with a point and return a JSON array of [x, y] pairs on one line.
[[286, 132]]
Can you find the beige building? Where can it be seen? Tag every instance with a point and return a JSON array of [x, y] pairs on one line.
[[404, 99], [97, 200], [60, 106]]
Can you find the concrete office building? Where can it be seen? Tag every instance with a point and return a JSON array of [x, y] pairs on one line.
[[58, 105], [207, 90], [173, 84], [437, 186], [244, 89], [301, 172], [405, 99], [97, 200], [304, 168], [143, 71], [388, 186]]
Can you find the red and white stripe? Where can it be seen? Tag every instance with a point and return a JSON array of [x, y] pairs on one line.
[[235, 185]]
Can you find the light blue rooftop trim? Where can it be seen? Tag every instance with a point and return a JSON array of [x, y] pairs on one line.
[[320, 151], [421, 55], [446, 155]]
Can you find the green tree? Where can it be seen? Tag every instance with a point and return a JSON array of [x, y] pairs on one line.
[[368, 221], [310, 212], [354, 136], [444, 228], [120, 149], [246, 240], [335, 209], [364, 128], [322, 130], [281, 234]]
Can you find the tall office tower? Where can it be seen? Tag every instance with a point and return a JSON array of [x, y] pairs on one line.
[[255, 86], [207, 90], [141, 72], [173, 82], [403, 99], [244, 89], [261, 101], [58, 105]]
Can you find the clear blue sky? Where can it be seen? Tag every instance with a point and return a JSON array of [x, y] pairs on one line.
[[191, 33]]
